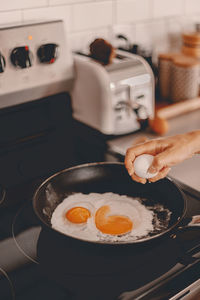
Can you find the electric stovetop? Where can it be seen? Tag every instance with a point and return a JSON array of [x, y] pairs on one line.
[[161, 271]]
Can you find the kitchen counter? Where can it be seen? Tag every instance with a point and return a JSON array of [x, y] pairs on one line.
[[188, 171]]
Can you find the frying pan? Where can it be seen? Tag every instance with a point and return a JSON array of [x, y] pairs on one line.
[[89, 268], [107, 177]]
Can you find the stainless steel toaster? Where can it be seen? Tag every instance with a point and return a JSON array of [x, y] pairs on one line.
[[113, 98]]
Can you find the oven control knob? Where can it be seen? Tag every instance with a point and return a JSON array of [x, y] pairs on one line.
[[47, 53], [2, 63], [21, 57]]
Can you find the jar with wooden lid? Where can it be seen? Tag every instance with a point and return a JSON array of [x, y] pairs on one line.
[[164, 73], [191, 44], [184, 78]]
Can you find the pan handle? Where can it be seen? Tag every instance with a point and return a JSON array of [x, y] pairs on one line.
[[194, 221], [2, 194]]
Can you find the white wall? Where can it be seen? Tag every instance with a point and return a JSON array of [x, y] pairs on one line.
[[155, 24]]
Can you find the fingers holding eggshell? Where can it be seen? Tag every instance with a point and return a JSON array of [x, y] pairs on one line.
[[138, 179], [163, 173], [129, 159], [162, 160], [133, 152], [157, 164]]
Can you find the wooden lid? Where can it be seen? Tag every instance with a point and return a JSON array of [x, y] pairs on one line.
[[185, 61], [191, 38], [168, 56]]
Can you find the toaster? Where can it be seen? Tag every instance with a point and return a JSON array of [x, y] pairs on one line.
[[115, 98]]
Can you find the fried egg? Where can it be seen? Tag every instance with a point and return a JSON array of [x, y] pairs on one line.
[[112, 224], [102, 217], [71, 216]]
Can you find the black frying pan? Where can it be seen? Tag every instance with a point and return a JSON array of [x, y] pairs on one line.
[[107, 177]]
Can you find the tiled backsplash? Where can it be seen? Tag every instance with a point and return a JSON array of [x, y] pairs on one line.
[[155, 24]]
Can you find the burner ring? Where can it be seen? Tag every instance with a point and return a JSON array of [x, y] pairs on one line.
[[20, 245], [2, 271]]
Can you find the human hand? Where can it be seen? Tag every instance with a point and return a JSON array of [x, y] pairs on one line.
[[167, 152]]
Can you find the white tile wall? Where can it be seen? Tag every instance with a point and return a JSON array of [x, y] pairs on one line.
[[10, 16], [148, 22], [160, 37], [59, 2], [82, 40], [129, 11], [21, 4], [60, 12], [144, 34], [92, 15], [188, 22], [163, 8], [127, 30], [174, 30], [192, 6]]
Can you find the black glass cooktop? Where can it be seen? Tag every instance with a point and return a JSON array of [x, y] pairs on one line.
[[35, 266]]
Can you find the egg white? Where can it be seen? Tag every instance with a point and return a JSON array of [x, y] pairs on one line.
[[119, 205]]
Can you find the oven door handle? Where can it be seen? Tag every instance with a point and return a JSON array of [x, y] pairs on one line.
[[191, 292]]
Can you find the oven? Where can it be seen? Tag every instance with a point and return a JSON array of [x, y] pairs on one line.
[[35, 141]]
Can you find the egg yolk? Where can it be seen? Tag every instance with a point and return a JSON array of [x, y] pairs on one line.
[[78, 215], [114, 224]]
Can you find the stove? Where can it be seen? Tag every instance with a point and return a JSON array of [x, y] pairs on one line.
[[36, 75], [32, 265], [37, 139]]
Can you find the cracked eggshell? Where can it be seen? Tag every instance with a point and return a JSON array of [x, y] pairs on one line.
[[141, 165]]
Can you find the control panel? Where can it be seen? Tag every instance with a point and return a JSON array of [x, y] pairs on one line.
[[35, 62]]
